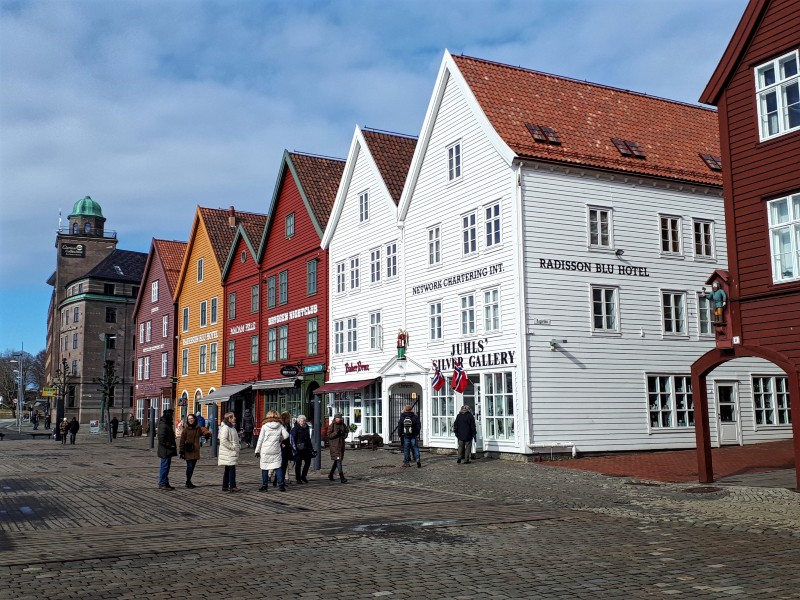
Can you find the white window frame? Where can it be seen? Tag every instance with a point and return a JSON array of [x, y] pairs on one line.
[[147, 368], [214, 311], [165, 326], [434, 245], [139, 368], [185, 320], [788, 225], [283, 287], [164, 364], [669, 313], [594, 227], [498, 402], [311, 276], [705, 316], [771, 401], [199, 270], [341, 278], [272, 344], [492, 320], [338, 336], [778, 87], [254, 349], [272, 292], [493, 219], [363, 206], [706, 239], [154, 291], [355, 274], [443, 411], [435, 320], [454, 161], [376, 330], [289, 226], [283, 342], [672, 234], [604, 314], [232, 305], [141, 333], [312, 336], [255, 298], [202, 362], [204, 313], [352, 334], [667, 403], [185, 362], [148, 332], [213, 357], [375, 265], [469, 233], [467, 314], [391, 259], [231, 353]]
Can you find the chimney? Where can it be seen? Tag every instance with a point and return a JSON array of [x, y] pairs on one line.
[[232, 217]]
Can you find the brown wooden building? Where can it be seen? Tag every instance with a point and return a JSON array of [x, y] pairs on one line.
[[756, 87]]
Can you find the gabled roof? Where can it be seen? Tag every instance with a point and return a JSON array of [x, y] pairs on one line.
[[170, 253], [249, 235], [736, 48], [221, 233], [317, 179], [124, 266]]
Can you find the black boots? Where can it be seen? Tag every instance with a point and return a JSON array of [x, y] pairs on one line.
[[189, 484], [342, 478], [333, 470]]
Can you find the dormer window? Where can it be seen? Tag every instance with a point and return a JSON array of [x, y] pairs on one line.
[[628, 148], [778, 96], [544, 134], [714, 162]]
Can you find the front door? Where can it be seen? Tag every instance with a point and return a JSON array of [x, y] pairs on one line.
[[728, 430]]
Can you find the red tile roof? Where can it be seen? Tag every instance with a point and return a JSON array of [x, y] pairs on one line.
[[221, 233], [171, 254], [319, 179], [586, 116], [392, 154]]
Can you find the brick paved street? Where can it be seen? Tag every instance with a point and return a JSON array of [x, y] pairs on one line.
[[88, 521]]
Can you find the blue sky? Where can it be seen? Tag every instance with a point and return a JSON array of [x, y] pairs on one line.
[[154, 107]]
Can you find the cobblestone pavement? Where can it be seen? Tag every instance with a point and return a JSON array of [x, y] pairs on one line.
[[87, 521]]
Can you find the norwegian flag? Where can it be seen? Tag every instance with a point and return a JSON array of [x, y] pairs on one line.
[[438, 379], [460, 381]]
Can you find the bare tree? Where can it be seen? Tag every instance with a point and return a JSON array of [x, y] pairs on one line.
[[8, 382], [107, 382]]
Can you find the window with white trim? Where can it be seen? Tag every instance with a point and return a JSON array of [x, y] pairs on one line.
[[213, 357], [469, 233], [778, 96], [141, 333], [604, 309], [148, 333], [443, 411], [154, 291], [491, 310], [467, 314], [139, 369], [492, 225], [147, 367], [232, 306], [283, 287], [375, 265], [600, 227], [253, 349], [434, 245], [283, 342], [203, 313], [311, 277], [185, 362], [669, 401], [363, 206], [255, 299], [703, 238], [272, 345], [375, 331], [231, 353], [203, 358], [454, 161], [705, 319], [784, 237], [341, 279], [391, 260], [670, 235], [498, 398], [199, 269], [771, 401], [312, 330], [355, 278], [165, 326], [164, 363], [289, 226], [352, 334], [673, 305], [213, 319], [185, 323], [338, 337], [271, 292], [435, 320]]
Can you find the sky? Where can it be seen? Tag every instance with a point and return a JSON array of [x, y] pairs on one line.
[[155, 107]]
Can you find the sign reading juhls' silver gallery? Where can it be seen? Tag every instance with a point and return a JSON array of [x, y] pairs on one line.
[[73, 250], [476, 357]]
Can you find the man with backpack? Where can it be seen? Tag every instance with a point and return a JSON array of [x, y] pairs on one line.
[[409, 428]]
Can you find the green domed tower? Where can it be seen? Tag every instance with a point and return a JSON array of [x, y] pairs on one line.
[[86, 218]]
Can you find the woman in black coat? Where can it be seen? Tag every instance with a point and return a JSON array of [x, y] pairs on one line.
[[303, 450], [465, 430]]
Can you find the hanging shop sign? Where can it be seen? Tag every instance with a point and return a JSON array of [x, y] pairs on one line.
[[314, 369], [289, 371], [472, 353], [584, 266], [464, 277]]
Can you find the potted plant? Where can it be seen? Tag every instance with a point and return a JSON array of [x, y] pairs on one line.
[[353, 428]]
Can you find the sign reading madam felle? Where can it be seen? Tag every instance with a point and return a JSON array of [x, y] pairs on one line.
[[587, 267], [476, 357]]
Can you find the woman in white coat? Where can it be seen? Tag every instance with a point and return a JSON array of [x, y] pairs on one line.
[[228, 451], [268, 449]]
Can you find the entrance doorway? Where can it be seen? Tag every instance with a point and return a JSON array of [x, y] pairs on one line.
[[399, 396], [728, 427]]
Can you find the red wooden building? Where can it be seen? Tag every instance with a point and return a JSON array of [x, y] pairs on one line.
[[756, 87]]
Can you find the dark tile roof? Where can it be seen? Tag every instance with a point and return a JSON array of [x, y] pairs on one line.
[[171, 254], [121, 265], [220, 232], [392, 154], [319, 179], [586, 116]]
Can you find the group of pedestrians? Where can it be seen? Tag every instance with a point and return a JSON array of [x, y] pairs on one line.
[[68, 427]]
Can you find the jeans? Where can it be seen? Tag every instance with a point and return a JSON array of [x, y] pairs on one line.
[[265, 474], [163, 475], [72, 437], [337, 464], [190, 464], [229, 477], [464, 450], [410, 442]]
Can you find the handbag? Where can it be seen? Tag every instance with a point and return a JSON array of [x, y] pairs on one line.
[[301, 445], [188, 447], [313, 454]]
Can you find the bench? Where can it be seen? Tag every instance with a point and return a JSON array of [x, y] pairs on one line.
[[557, 446], [35, 434]]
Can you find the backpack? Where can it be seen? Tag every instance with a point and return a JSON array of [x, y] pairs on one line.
[[408, 426]]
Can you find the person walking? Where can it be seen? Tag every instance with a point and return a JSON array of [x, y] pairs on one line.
[[302, 447], [337, 436], [287, 454], [269, 450], [63, 429], [74, 426], [114, 427], [189, 446], [248, 424], [409, 427], [228, 455], [202, 423], [35, 420], [464, 428], [47, 421], [167, 448]]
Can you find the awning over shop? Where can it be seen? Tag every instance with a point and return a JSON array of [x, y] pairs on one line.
[[224, 393], [344, 386], [274, 384]]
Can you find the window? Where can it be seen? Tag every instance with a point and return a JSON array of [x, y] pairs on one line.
[[75, 315], [66, 342], [391, 259], [232, 305], [435, 320], [185, 321], [628, 148], [283, 342], [469, 234], [771, 401], [493, 225], [443, 411], [164, 362], [705, 319], [354, 274], [253, 349], [254, 298], [110, 341], [109, 289], [670, 235], [669, 400], [311, 277], [778, 96], [784, 237], [673, 307], [140, 369], [75, 228], [703, 239], [283, 287], [148, 336], [212, 367], [199, 269], [499, 401], [599, 228], [454, 161], [87, 227], [375, 331], [434, 245], [111, 315], [543, 134], [231, 353], [491, 310], [203, 313], [165, 326], [147, 367], [311, 336], [271, 291], [74, 367], [141, 333], [154, 291], [341, 280], [375, 265], [203, 358], [272, 345], [338, 337], [604, 309], [74, 341], [289, 226], [352, 334], [185, 361], [363, 206], [80, 288], [467, 314], [213, 311], [373, 412]]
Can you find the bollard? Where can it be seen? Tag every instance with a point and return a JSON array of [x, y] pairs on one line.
[[152, 432]]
